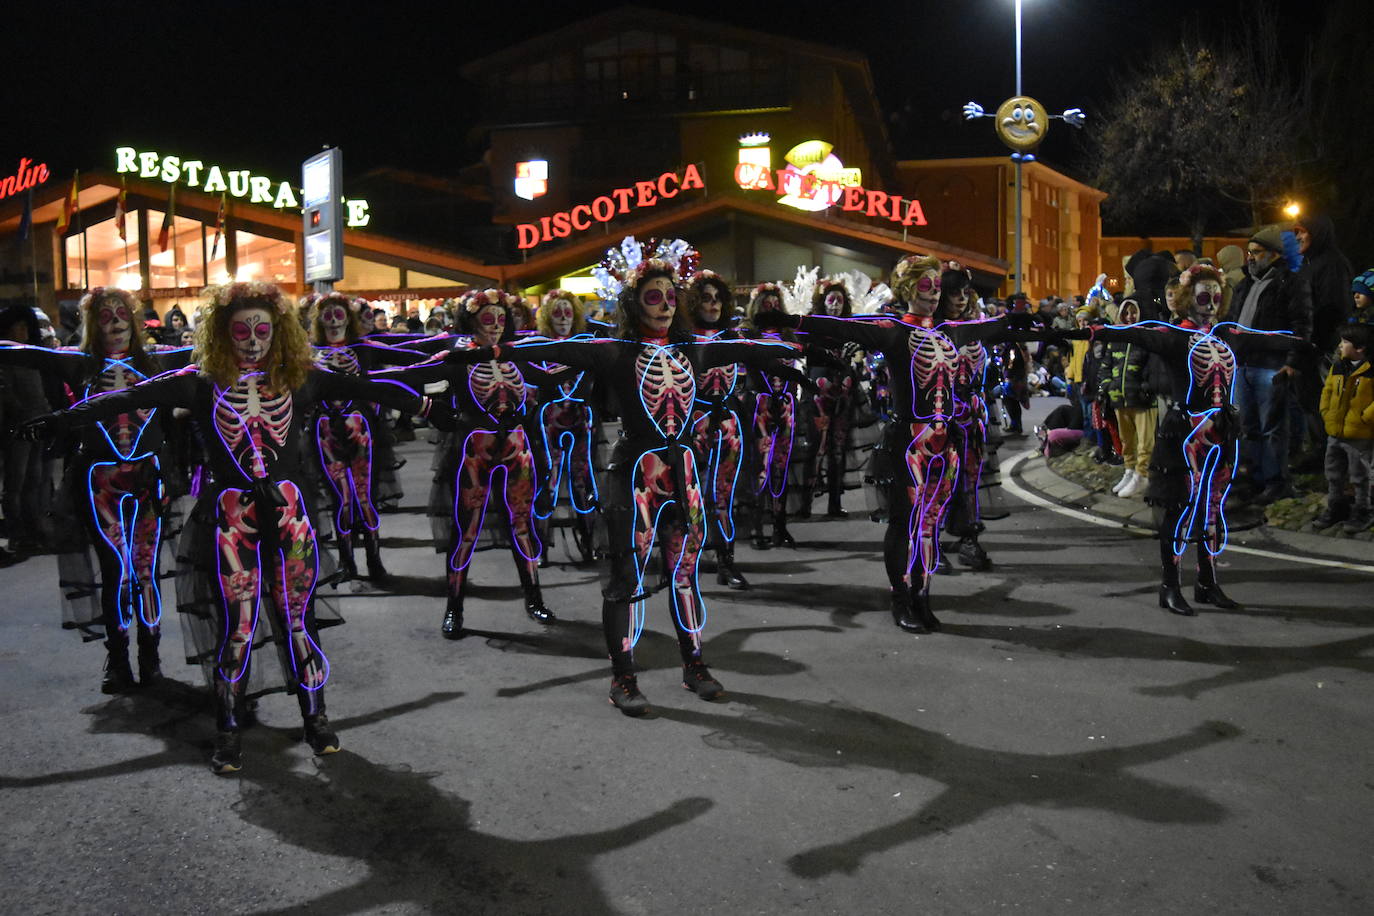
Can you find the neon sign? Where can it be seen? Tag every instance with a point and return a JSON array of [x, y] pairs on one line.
[[607, 207], [532, 179], [28, 175], [814, 179], [213, 179]]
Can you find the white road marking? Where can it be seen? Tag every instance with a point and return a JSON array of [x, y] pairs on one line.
[[1020, 492]]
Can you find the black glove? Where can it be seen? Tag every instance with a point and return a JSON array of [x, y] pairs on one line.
[[442, 416], [773, 321], [41, 428], [467, 356]]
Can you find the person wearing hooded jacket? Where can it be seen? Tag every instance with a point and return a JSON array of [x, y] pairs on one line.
[[1328, 272]]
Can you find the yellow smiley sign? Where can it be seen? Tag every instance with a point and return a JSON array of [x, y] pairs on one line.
[[1022, 123]]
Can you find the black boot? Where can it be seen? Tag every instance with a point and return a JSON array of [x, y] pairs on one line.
[[902, 613], [318, 734], [920, 607], [835, 510], [453, 613], [534, 599], [781, 536], [972, 555], [697, 678], [376, 572], [1206, 590], [1171, 594], [348, 566], [625, 696], [582, 538], [756, 535], [228, 754], [149, 665], [726, 574], [119, 677]]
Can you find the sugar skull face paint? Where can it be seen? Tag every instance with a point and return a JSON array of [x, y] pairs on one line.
[[116, 324], [927, 294], [709, 304], [334, 320], [250, 330], [1206, 301], [657, 304], [833, 302], [491, 325], [561, 317]]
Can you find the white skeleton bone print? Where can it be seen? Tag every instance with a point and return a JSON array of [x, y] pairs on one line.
[[666, 387]]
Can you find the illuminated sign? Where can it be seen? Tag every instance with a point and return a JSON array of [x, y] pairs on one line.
[[814, 179], [213, 179], [28, 175], [532, 179], [607, 207]]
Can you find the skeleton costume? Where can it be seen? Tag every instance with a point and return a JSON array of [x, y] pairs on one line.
[[568, 430], [345, 432], [773, 428], [1197, 441], [250, 541], [114, 500], [717, 435], [829, 413], [655, 490], [491, 398]]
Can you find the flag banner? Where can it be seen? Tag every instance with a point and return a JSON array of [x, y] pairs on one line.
[[71, 206], [219, 229], [26, 220], [122, 210], [164, 235]]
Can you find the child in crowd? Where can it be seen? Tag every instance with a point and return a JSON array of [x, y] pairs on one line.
[[1363, 291], [1347, 407], [1126, 386]]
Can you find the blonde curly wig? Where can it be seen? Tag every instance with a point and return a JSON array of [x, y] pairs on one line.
[[544, 317], [288, 361]]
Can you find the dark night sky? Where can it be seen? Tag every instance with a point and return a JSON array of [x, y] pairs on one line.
[[263, 85]]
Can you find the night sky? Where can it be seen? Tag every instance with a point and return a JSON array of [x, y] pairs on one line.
[[263, 85]]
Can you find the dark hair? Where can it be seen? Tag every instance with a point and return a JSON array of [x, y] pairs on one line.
[[627, 312], [1357, 334], [15, 314], [727, 299]]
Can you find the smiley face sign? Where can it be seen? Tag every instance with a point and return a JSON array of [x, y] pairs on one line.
[[1022, 123]]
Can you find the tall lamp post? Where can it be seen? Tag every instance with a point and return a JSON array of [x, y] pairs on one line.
[[1022, 123]]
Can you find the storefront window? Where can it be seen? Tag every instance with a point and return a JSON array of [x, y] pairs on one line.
[[360, 274], [182, 264], [108, 260], [263, 258], [417, 280]]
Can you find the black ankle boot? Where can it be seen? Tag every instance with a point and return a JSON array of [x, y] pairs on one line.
[[1171, 594], [1208, 591], [534, 598], [972, 555], [149, 665], [902, 613], [920, 607], [781, 536], [452, 627], [118, 677], [227, 757], [318, 734], [726, 574], [376, 572], [348, 565]]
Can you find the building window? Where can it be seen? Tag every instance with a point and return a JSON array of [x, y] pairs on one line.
[[263, 258]]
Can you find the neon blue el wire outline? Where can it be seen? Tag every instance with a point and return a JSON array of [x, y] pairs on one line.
[[637, 609]]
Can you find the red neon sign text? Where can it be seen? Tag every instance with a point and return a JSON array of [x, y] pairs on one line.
[[29, 175], [607, 207], [893, 207]]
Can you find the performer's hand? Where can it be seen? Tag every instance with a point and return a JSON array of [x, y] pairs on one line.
[[41, 428], [772, 321]]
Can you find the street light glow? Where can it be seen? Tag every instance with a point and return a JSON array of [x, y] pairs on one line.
[[1292, 209]]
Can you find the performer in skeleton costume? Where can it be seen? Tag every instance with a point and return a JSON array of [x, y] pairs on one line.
[[251, 391], [655, 482], [1196, 442], [346, 431], [716, 431], [492, 399], [829, 413], [774, 426], [567, 428], [923, 450], [114, 487]]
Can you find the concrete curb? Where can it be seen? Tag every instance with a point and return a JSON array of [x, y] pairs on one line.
[[1036, 475]]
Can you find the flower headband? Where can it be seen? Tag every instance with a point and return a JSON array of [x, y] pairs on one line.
[[1200, 272], [476, 301], [249, 292], [101, 293]]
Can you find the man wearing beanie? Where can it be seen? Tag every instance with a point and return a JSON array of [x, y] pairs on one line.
[[1272, 297]]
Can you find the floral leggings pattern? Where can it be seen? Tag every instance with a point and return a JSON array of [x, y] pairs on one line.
[[484, 453], [917, 504], [345, 445], [127, 503]]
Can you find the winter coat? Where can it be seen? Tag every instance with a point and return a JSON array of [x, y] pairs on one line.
[[1348, 400], [1284, 305], [1094, 369], [1077, 350], [1125, 377], [1328, 273]]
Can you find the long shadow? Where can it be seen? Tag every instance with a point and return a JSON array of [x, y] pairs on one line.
[[978, 781], [1245, 664], [176, 714], [996, 599], [843, 602]]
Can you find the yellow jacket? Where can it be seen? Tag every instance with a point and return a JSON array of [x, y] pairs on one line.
[[1348, 402], [1077, 350]]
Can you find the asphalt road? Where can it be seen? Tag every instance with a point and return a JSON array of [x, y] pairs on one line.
[[1063, 746]]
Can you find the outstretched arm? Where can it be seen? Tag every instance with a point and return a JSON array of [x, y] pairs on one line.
[[339, 386], [588, 354], [172, 389], [749, 352], [67, 365]]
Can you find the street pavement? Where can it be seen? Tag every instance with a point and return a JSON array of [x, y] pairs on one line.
[[1062, 746]]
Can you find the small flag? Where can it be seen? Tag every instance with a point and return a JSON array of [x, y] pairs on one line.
[[164, 234], [122, 209], [219, 229], [26, 220], [71, 205]]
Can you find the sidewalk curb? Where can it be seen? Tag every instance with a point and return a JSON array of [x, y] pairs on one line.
[[1036, 475]]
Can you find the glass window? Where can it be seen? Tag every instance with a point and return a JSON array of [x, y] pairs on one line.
[[110, 260], [776, 258], [182, 263], [361, 274], [838, 264], [263, 258], [417, 280]]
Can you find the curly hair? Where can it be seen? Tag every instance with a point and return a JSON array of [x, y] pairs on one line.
[[763, 289], [1198, 273], [288, 361], [93, 338], [544, 317], [704, 278], [908, 271], [627, 314], [823, 289], [353, 329]]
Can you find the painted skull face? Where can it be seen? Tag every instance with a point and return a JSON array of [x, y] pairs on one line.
[[561, 317], [1206, 301], [657, 304], [927, 293], [958, 302], [491, 325], [250, 331], [365, 321], [709, 304], [334, 320], [770, 303], [833, 303], [116, 324]]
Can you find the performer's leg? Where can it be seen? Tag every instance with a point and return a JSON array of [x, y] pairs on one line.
[[1170, 551], [147, 539], [361, 476], [838, 449], [469, 508], [1207, 590], [765, 442], [517, 463], [782, 463], [729, 452], [109, 497], [630, 516], [336, 472], [240, 584]]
